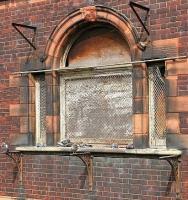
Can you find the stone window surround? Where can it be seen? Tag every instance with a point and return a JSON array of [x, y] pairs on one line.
[[62, 32]]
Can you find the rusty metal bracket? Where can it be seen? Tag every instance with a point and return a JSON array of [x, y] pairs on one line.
[[143, 23], [88, 161], [15, 25], [17, 157], [175, 166]]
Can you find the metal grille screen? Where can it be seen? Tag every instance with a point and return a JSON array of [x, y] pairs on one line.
[[99, 108], [157, 107], [41, 110], [43, 106]]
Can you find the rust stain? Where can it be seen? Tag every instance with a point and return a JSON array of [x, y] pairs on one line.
[[99, 46], [89, 13]]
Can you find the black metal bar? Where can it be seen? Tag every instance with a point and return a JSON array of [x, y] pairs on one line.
[[25, 26], [15, 156], [132, 5], [139, 6], [15, 25]]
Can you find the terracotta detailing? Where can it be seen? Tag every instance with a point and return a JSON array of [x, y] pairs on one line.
[[173, 123], [177, 67], [89, 13], [162, 48], [140, 123]]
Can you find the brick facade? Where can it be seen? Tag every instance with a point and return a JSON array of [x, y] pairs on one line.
[[54, 177]]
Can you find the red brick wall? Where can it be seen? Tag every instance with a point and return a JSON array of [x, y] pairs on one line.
[[54, 177], [47, 177], [182, 91]]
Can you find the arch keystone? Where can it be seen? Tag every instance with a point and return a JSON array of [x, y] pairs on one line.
[[89, 13]]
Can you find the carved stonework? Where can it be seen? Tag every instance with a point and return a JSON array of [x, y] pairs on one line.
[[89, 13]]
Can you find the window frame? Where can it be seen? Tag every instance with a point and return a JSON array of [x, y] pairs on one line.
[[90, 72]]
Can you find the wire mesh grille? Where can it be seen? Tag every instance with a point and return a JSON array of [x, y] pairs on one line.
[[157, 107], [43, 106], [99, 108], [41, 109]]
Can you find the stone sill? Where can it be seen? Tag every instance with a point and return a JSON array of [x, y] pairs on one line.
[[12, 198], [148, 151]]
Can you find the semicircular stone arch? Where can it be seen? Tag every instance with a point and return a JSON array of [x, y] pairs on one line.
[[66, 33], [99, 36]]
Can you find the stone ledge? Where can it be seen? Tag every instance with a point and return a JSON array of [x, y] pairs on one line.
[[12, 198], [147, 151]]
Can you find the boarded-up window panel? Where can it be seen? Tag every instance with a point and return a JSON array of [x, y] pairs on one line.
[[98, 109]]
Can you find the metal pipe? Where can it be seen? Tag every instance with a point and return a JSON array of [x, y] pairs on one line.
[[100, 66]]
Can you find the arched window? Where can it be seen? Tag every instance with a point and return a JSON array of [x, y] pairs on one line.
[[96, 93], [98, 100]]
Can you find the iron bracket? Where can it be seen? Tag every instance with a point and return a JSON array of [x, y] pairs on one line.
[[175, 166], [17, 158], [88, 161], [16, 25], [143, 23]]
